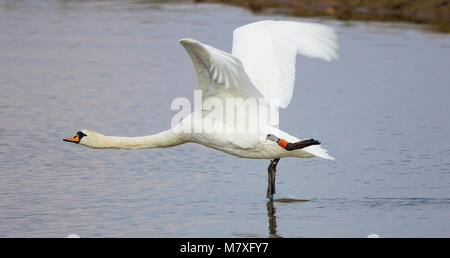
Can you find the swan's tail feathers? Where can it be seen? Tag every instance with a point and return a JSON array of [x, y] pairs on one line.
[[318, 151]]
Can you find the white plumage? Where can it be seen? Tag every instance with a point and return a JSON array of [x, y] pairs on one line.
[[268, 50], [261, 66]]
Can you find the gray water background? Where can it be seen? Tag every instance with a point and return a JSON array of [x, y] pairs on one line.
[[115, 66]]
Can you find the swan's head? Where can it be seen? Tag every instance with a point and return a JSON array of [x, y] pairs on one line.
[[80, 137], [85, 138]]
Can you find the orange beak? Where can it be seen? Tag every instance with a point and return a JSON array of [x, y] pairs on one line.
[[74, 139]]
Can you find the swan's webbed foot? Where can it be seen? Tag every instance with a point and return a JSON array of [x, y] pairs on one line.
[[292, 146], [271, 178], [301, 144]]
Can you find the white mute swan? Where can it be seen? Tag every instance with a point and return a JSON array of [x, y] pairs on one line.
[[261, 66]]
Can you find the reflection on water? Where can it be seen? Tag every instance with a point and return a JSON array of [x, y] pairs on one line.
[[289, 200], [115, 67], [272, 219]]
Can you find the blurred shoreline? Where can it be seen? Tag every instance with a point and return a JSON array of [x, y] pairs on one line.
[[433, 13]]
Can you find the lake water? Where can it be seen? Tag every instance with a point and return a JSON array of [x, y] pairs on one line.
[[382, 110]]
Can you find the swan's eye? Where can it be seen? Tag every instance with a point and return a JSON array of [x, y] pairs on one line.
[[80, 135]]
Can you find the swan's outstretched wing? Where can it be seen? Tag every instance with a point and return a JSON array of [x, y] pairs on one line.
[[268, 49], [218, 71]]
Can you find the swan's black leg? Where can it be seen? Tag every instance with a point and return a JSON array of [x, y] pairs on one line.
[[273, 163], [271, 178]]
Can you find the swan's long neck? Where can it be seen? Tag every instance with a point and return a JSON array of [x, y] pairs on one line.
[[160, 140]]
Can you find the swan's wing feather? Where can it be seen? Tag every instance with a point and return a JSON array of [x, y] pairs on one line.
[[268, 50], [218, 71]]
